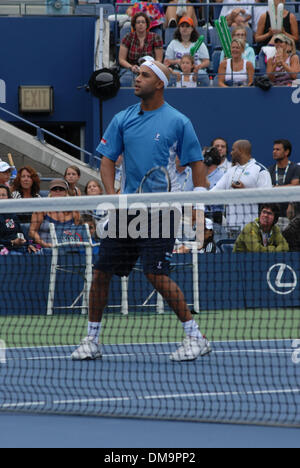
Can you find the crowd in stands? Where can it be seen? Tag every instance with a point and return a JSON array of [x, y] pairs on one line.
[[249, 227], [168, 33]]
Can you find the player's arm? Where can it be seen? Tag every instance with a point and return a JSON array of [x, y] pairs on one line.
[[107, 172], [199, 174]]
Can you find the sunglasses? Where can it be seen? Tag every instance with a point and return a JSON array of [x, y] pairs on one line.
[[58, 189]]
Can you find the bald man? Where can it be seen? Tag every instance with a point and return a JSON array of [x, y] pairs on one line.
[[148, 134], [246, 172]]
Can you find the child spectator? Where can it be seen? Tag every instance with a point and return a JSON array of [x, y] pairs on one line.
[[72, 176], [187, 78]]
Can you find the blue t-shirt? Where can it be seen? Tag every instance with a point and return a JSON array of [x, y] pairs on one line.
[[150, 139]]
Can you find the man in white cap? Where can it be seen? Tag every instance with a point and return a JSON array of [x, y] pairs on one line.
[[148, 134], [5, 173]]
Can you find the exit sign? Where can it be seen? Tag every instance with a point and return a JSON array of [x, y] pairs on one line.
[[36, 99]]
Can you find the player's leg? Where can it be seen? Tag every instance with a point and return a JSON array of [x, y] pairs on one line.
[[195, 344], [90, 348]]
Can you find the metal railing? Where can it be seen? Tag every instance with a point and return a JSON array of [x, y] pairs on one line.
[[93, 160]]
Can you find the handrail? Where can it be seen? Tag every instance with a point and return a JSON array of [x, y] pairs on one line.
[[40, 137]]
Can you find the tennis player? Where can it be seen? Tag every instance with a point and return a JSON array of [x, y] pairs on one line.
[[149, 134]]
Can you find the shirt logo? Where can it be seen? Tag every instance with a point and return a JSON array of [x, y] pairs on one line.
[[157, 137], [10, 224], [103, 141]]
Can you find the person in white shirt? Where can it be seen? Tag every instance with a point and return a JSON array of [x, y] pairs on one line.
[[245, 173], [236, 15]]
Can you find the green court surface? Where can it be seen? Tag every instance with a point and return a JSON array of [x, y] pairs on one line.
[[22, 331]]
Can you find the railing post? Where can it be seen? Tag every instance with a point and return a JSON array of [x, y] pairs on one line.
[[40, 135]]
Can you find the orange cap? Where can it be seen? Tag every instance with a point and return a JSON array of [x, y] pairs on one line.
[[186, 19]]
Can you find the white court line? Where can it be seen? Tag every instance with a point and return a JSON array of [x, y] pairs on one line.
[[153, 397]]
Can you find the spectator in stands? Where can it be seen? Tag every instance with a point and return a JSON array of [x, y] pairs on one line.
[[137, 44], [154, 11], [209, 245], [185, 38], [39, 229], [236, 71], [292, 231], [5, 173], [90, 221], [174, 13], [257, 12], [284, 172], [187, 78], [245, 172], [240, 32], [222, 146], [282, 69], [12, 237], [236, 16], [93, 187], [72, 176], [212, 161], [262, 235], [265, 34], [26, 184]]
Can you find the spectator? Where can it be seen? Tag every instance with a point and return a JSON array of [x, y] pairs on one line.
[[5, 173], [154, 11], [90, 221], [236, 71], [187, 78], [240, 32], [265, 34], [222, 147], [185, 38], [12, 237], [292, 231], [39, 229], [209, 245], [72, 176], [282, 69], [26, 185], [246, 172], [137, 44], [212, 161], [236, 16], [174, 13], [257, 12], [284, 172], [93, 187], [262, 235]]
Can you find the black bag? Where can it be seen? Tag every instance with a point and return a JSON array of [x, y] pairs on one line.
[[105, 84], [263, 83]]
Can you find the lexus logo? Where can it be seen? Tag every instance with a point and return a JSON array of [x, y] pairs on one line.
[[282, 279]]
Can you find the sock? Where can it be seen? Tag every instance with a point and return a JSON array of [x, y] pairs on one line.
[[94, 329], [191, 329]]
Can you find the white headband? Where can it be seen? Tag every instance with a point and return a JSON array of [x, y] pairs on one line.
[[158, 72]]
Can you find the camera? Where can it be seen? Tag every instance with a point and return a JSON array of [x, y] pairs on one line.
[[212, 157]]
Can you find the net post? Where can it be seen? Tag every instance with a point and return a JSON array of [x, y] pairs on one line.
[[196, 296], [124, 295], [88, 273], [53, 269]]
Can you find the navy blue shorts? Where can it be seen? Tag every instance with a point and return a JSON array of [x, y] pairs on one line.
[[118, 256]]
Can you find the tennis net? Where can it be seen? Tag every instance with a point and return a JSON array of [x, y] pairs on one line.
[[239, 284]]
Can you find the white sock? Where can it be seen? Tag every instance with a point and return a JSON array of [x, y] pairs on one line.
[[191, 329], [94, 329]]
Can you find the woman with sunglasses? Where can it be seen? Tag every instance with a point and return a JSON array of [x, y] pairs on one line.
[[283, 68], [39, 229]]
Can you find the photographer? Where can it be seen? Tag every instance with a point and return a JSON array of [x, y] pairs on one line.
[[212, 161], [13, 240]]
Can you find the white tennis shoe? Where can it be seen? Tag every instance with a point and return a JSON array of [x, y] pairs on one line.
[[191, 348], [87, 351]]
